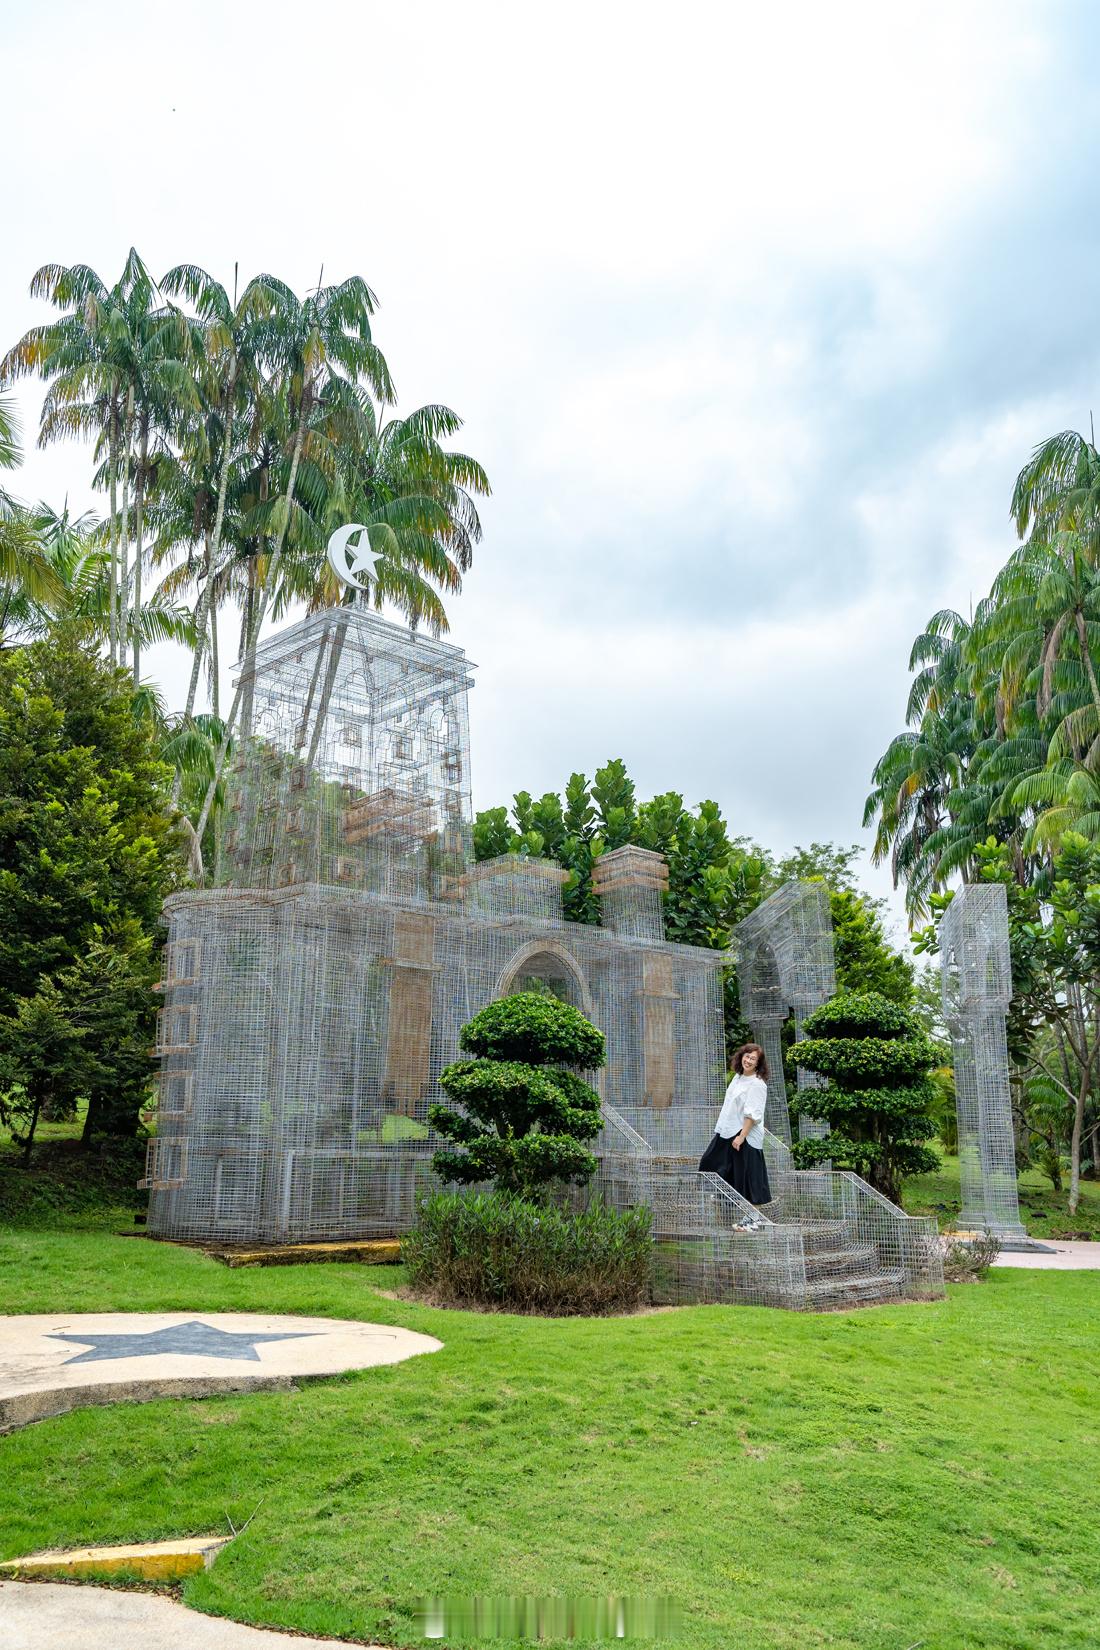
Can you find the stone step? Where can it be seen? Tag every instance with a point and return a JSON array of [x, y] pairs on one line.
[[856, 1259], [885, 1285]]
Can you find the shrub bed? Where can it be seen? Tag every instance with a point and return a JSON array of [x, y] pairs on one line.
[[492, 1249]]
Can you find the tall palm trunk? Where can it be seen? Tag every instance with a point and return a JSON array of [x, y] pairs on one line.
[[261, 610], [1086, 659], [139, 538], [124, 569], [112, 462], [202, 606], [339, 637], [215, 689], [249, 632]]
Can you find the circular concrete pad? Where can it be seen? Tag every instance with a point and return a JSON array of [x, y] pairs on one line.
[[55, 1361], [37, 1615]]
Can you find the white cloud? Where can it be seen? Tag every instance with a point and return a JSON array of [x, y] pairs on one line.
[[752, 313]]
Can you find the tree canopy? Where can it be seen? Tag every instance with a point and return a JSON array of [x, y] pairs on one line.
[[88, 852]]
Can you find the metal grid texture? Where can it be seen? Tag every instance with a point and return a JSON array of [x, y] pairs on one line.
[[309, 1008], [976, 983], [785, 964], [311, 1042], [827, 1240], [353, 768]]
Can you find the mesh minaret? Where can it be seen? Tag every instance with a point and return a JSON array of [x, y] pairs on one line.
[[354, 769], [785, 964], [976, 979]]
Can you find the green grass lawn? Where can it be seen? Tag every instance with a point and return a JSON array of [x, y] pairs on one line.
[[907, 1475], [1042, 1209]]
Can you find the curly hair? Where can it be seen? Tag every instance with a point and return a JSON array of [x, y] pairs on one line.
[[761, 1061]]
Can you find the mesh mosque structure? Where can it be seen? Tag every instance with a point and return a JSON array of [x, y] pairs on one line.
[[313, 993]]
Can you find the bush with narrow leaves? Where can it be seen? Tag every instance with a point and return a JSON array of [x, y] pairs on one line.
[[492, 1249]]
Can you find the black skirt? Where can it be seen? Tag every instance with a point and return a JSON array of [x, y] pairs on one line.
[[718, 1159], [744, 1170]]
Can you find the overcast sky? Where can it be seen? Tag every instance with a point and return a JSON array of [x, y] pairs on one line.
[[752, 312]]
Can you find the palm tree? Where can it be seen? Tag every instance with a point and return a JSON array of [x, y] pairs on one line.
[[312, 345], [232, 337], [85, 395], [30, 583], [416, 502], [117, 368], [1058, 488], [916, 781]]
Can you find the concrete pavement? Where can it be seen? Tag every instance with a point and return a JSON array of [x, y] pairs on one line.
[[41, 1615], [1066, 1257]]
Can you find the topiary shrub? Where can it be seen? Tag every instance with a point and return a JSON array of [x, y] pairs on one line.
[[524, 1118], [491, 1249], [879, 1099]]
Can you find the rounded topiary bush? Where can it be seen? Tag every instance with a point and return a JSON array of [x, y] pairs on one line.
[[491, 1249], [538, 1030], [525, 1117], [879, 1098]]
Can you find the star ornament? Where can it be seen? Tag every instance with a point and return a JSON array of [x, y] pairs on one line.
[[188, 1340], [351, 557]]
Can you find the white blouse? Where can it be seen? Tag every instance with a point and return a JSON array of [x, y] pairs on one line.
[[745, 1098]]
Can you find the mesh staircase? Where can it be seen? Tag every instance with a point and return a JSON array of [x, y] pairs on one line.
[[827, 1240]]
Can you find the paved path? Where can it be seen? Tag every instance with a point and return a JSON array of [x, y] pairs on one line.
[[53, 1362], [42, 1615], [1067, 1257]]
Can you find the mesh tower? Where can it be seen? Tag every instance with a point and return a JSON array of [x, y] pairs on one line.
[[353, 767], [976, 981], [785, 963]]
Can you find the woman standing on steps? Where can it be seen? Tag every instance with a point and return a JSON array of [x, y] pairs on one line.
[[737, 1149]]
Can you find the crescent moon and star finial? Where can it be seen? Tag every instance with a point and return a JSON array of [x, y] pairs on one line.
[[351, 558]]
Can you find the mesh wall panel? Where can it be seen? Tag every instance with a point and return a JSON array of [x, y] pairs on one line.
[[785, 963], [976, 976]]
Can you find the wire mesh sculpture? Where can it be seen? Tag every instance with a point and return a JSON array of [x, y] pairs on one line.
[[785, 964], [313, 994], [976, 984]]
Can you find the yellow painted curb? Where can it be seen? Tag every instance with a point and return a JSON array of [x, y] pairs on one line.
[[153, 1560], [370, 1252]]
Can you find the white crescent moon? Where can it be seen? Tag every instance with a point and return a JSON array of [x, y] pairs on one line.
[[338, 546]]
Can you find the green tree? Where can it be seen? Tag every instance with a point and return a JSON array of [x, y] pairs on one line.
[[865, 959], [88, 851], [44, 1063], [526, 1111], [879, 1098]]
